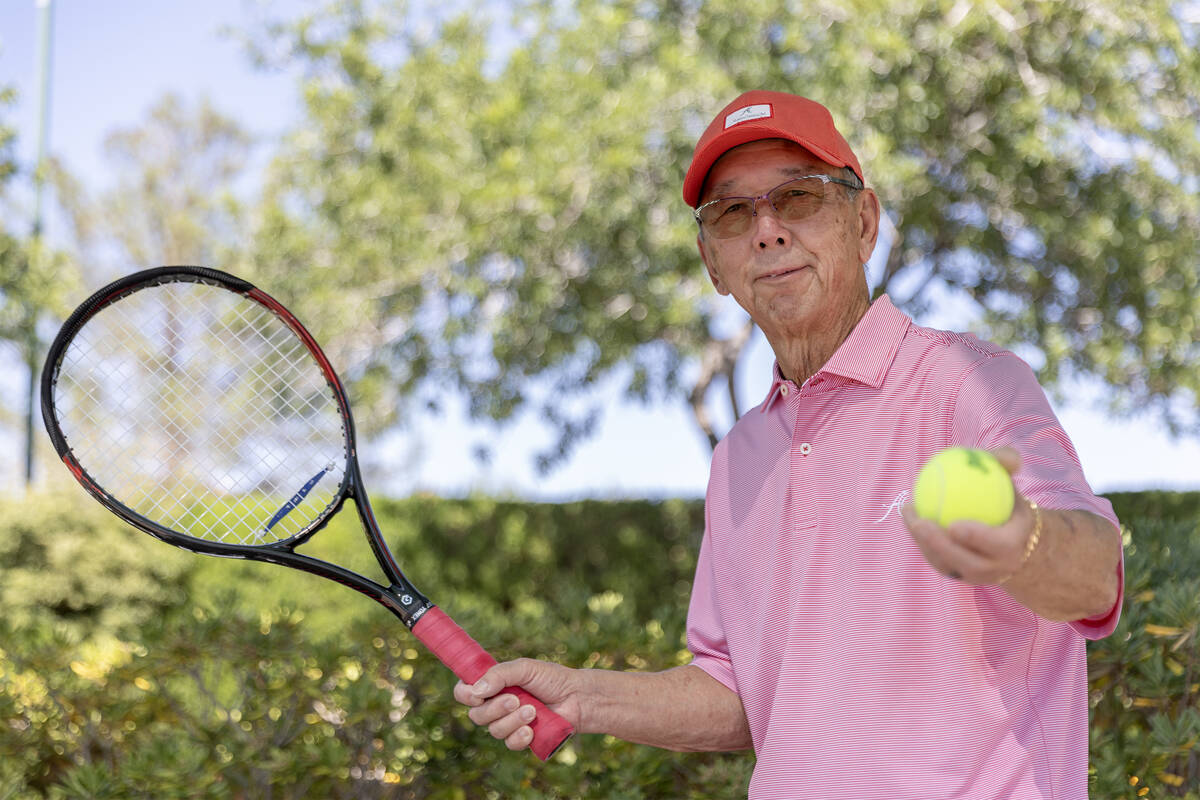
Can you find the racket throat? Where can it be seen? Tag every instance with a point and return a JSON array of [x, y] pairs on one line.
[[407, 603], [401, 598]]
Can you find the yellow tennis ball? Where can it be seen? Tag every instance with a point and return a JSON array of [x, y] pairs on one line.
[[963, 483]]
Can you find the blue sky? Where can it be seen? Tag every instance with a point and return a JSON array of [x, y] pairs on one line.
[[113, 60]]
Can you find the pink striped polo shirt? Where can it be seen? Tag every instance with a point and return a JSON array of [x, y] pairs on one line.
[[865, 674]]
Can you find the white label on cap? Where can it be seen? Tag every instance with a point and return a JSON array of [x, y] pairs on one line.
[[748, 113]]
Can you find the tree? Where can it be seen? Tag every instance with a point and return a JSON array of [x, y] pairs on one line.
[[173, 203], [476, 217], [174, 199], [30, 281], [30, 287], [7, 137], [11, 255], [11, 259]]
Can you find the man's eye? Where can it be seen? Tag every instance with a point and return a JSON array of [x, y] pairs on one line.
[[733, 208]]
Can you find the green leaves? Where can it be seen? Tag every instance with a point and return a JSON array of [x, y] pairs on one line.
[[506, 222], [173, 201], [252, 680], [229, 693], [67, 563], [7, 137], [492, 207], [1145, 678]]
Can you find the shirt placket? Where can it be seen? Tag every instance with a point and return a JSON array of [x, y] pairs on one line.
[[800, 451]]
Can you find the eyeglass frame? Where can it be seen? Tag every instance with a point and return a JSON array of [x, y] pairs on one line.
[[825, 181]]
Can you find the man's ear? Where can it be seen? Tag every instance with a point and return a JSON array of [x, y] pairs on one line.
[[713, 275], [868, 217]]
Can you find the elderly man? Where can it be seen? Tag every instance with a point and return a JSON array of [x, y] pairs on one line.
[[862, 652]]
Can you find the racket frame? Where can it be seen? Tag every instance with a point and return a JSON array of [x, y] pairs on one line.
[[400, 597]]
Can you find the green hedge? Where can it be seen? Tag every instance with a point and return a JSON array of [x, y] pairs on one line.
[[196, 677], [1145, 677], [67, 562]]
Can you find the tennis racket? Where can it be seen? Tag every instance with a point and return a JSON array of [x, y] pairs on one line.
[[198, 409]]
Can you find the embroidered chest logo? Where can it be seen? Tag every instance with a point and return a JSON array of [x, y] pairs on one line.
[[901, 500]]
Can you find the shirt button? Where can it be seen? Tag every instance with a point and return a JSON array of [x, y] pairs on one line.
[[805, 448], [785, 390]]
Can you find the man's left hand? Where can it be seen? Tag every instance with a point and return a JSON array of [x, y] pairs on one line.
[[971, 551]]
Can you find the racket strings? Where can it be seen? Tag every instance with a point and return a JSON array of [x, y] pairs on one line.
[[202, 411]]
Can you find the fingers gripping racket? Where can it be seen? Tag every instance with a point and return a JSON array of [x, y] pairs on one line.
[[198, 409]]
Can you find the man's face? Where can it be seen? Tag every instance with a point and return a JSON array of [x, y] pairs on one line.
[[793, 278]]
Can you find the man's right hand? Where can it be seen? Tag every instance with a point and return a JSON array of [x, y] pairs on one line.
[[553, 684], [680, 709]]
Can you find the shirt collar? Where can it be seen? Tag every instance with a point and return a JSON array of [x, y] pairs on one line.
[[868, 352]]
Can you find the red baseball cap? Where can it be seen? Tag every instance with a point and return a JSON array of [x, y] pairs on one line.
[[768, 115]]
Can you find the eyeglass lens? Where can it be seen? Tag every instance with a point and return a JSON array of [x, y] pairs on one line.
[[792, 201]]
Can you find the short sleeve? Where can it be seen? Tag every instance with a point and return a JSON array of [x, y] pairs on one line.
[[705, 624], [1001, 404]]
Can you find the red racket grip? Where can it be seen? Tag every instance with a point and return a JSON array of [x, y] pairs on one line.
[[468, 660]]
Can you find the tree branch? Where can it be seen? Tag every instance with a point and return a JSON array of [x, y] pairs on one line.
[[720, 357]]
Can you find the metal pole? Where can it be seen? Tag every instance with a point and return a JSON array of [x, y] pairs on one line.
[[32, 344], [45, 20]]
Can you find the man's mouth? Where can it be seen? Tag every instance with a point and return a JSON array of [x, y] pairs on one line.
[[782, 272]]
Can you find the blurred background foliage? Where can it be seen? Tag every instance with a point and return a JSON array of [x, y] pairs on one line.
[[64, 561], [502, 194], [483, 198], [184, 676]]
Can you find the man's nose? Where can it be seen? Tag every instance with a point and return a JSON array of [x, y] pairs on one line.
[[769, 231]]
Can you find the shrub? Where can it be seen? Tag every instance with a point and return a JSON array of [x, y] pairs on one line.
[[271, 683], [68, 563], [1144, 679]]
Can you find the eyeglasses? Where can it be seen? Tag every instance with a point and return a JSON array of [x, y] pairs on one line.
[[792, 201]]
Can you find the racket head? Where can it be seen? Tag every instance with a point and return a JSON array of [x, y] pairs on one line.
[[197, 408]]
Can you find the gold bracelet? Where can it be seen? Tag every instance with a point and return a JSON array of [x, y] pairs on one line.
[[1031, 543], [1035, 535]]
